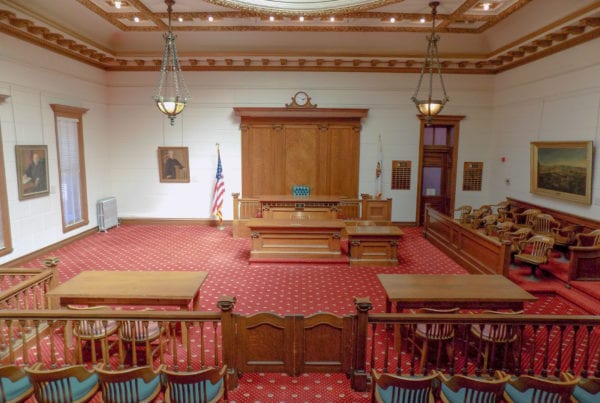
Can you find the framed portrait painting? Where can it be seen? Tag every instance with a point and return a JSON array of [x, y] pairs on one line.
[[32, 171], [173, 164], [562, 169]]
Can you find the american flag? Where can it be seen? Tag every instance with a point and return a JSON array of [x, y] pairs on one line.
[[219, 190]]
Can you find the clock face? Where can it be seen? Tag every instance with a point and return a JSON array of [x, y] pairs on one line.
[[301, 98]]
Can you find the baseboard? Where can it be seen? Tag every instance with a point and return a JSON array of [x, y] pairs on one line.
[[171, 221]]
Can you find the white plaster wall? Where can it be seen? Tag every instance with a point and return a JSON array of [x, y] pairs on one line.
[[554, 99], [34, 79], [137, 129]]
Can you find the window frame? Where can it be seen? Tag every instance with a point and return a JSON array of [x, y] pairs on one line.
[[72, 112], [6, 235]]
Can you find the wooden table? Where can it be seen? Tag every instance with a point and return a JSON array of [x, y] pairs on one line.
[[147, 288], [465, 291], [295, 239], [370, 245]]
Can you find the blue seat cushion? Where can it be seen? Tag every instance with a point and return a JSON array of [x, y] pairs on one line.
[[528, 395], [403, 395], [147, 389], [78, 389], [193, 391], [12, 390], [583, 396]]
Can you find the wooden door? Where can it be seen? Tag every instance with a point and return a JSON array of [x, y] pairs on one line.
[[437, 165]]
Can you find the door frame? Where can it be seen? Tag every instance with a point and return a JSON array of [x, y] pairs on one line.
[[443, 120]]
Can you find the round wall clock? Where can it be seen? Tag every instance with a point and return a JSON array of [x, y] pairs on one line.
[[300, 100]]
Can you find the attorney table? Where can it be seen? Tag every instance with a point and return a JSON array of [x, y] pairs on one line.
[[465, 291], [148, 288], [370, 245], [295, 239]]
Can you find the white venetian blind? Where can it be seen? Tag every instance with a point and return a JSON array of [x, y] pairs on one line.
[[70, 172]]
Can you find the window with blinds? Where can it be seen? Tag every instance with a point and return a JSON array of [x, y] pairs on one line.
[[71, 167], [5, 239]]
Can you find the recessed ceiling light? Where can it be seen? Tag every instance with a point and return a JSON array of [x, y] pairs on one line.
[[117, 4], [180, 19], [422, 20], [271, 18], [486, 6], [392, 20], [210, 18], [136, 19], [301, 19], [332, 19]]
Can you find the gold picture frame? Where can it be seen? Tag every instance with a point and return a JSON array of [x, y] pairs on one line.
[[32, 171], [173, 165], [562, 170]]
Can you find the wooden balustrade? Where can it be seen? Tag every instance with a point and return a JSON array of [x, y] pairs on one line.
[[25, 288], [543, 345]]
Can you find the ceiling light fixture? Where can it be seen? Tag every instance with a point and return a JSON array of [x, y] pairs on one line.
[[392, 20], [486, 6], [136, 19], [172, 93], [117, 4], [426, 104]]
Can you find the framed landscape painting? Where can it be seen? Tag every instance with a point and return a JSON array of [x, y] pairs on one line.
[[562, 169], [32, 171]]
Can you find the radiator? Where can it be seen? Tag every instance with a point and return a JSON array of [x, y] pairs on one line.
[[107, 213]]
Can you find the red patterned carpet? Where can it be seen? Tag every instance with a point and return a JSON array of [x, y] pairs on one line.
[[281, 288]]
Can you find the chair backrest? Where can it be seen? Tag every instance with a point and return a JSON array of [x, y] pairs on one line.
[[140, 384], [589, 238], [540, 390], [139, 331], [587, 390], [64, 385], [463, 212], [526, 217], [206, 386], [538, 245], [463, 389], [496, 333], [543, 223], [436, 331], [93, 329], [388, 388], [15, 386]]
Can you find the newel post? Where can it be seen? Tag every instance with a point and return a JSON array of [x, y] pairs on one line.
[[359, 375], [236, 206], [226, 304]]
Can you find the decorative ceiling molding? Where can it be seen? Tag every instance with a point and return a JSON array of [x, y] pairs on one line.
[[569, 31]]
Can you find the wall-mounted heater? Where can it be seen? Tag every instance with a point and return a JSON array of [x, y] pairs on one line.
[[106, 210]]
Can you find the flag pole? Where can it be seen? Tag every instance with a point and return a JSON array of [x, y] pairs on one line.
[[219, 191]]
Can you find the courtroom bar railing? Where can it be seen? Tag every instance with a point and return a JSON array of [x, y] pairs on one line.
[[25, 288]]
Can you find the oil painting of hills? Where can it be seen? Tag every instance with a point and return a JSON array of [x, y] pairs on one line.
[[563, 169]]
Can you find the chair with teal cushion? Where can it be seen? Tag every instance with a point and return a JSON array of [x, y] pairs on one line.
[[463, 389], [133, 385], [205, 386], [15, 386], [531, 389], [587, 390], [72, 384], [388, 388]]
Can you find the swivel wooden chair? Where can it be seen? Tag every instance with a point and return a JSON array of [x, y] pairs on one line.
[[464, 389], [388, 388], [443, 334], [533, 389], [205, 386], [535, 251], [92, 331], [73, 384], [493, 337], [525, 219], [544, 224], [463, 213]]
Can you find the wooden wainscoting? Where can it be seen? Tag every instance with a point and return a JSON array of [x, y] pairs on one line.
[[477, 253]]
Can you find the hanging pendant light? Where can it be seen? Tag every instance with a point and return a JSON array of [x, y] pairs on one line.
[[427, 105], [172, 93]]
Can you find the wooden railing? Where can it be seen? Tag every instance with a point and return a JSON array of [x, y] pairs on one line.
[[25, 288], [351, 210], [543, 345], [477, 253]]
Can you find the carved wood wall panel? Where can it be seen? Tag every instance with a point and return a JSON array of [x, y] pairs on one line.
[[283, 147]]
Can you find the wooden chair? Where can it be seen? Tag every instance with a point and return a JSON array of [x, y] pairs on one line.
[[525, 219], [587, 390], [544, 224], [92, 331], [486, 221], [463, 213], [535, 251], [73, 384], [141, 384], [148, 335], [464, 389], [440, 333], [503, 210], [493, 337], [516, 237], [15, 386], [532, 389], [588, 238], [205, 386], [566, 236], [388, 388]]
